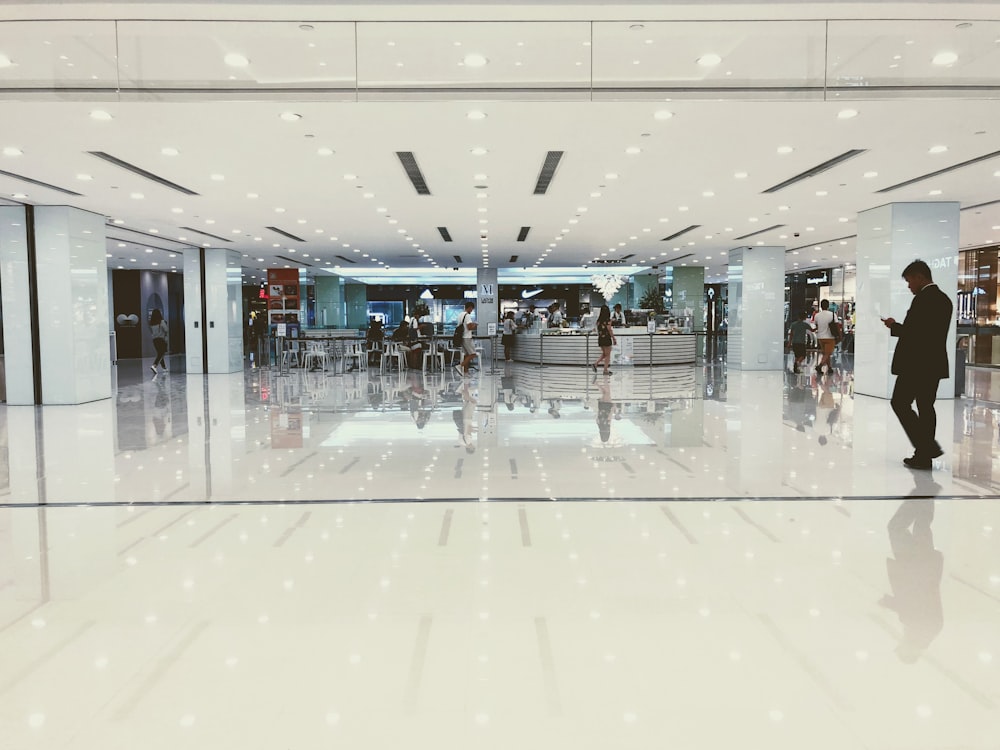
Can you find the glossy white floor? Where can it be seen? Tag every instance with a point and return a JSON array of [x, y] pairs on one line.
[[180, 567]]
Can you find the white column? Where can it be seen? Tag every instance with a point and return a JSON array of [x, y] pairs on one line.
[[223, 299], [70, 256], [890, 237], [756, 308], [195, 363], [15, 288], [224, 306]]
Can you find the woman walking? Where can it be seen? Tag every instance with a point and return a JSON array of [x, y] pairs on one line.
[[159, 328], [605, 339]]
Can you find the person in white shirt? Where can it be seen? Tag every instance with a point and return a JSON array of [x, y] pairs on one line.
[[826, 337], [468, 346]]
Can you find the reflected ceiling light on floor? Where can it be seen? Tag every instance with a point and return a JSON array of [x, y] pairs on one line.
[[290, 116], [709, 60], [474, 60], [662, 114], [937, 149], [944, 58], [476, 114], [236, 60], [847, 114], [100, 114]]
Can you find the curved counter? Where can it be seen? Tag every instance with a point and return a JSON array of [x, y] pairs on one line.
[[639, 349]]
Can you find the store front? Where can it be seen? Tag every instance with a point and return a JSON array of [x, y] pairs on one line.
[[976, 306]]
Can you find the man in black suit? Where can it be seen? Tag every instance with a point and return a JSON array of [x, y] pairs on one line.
[[920, 362]]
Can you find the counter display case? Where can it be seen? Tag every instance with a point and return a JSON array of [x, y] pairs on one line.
[[635, 347]]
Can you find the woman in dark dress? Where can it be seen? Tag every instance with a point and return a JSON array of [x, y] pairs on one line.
[[605, 339]]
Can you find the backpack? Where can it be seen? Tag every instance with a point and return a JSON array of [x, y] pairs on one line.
[[459, 334]]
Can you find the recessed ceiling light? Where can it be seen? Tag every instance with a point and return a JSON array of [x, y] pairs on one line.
[[476, 114], [944, 58], [100, 114], [325, 151], [478, 151], [474, 60], [662, 114], [12, 151], [169, 151], [847, 114], [290, 116], [236, 60], [707, 61], [937, 149], [785, 149]]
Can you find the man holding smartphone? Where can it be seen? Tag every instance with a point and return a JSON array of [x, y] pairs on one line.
[[920, 362]]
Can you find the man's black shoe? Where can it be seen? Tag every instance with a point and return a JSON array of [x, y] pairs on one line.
[[917, 462]]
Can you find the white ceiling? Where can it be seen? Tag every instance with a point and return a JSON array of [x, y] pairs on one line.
[[168, 86]]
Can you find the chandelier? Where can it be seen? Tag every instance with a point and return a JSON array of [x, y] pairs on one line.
[[607, 284]]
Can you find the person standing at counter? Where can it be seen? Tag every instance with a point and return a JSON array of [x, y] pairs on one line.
[[605, 339], [468, 346], [508, 336], [555, 316], [617, 316]]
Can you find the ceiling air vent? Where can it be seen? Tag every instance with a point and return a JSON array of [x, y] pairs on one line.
[[761, 231], [548, 171], [929, 175], [207, 234], [683, 231], [445, 234], [818, 169], [283, 233], [409, 163], [523, 234], [31, 181], [141, 172]]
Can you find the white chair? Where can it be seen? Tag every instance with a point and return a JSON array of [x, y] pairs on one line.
[[432, 352], [356, 352], [315, 355]]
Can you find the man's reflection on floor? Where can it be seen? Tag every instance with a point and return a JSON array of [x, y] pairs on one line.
[[915, 570]]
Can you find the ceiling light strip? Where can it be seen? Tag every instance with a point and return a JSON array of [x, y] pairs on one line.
[[683, 231], [824, 242], [141, 172], [31, 181], [818, 169], [445, 234], [548, 171], [289, 235], [409, 162], [931, 175], [760, 231], [206, 234], [523, 234]]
